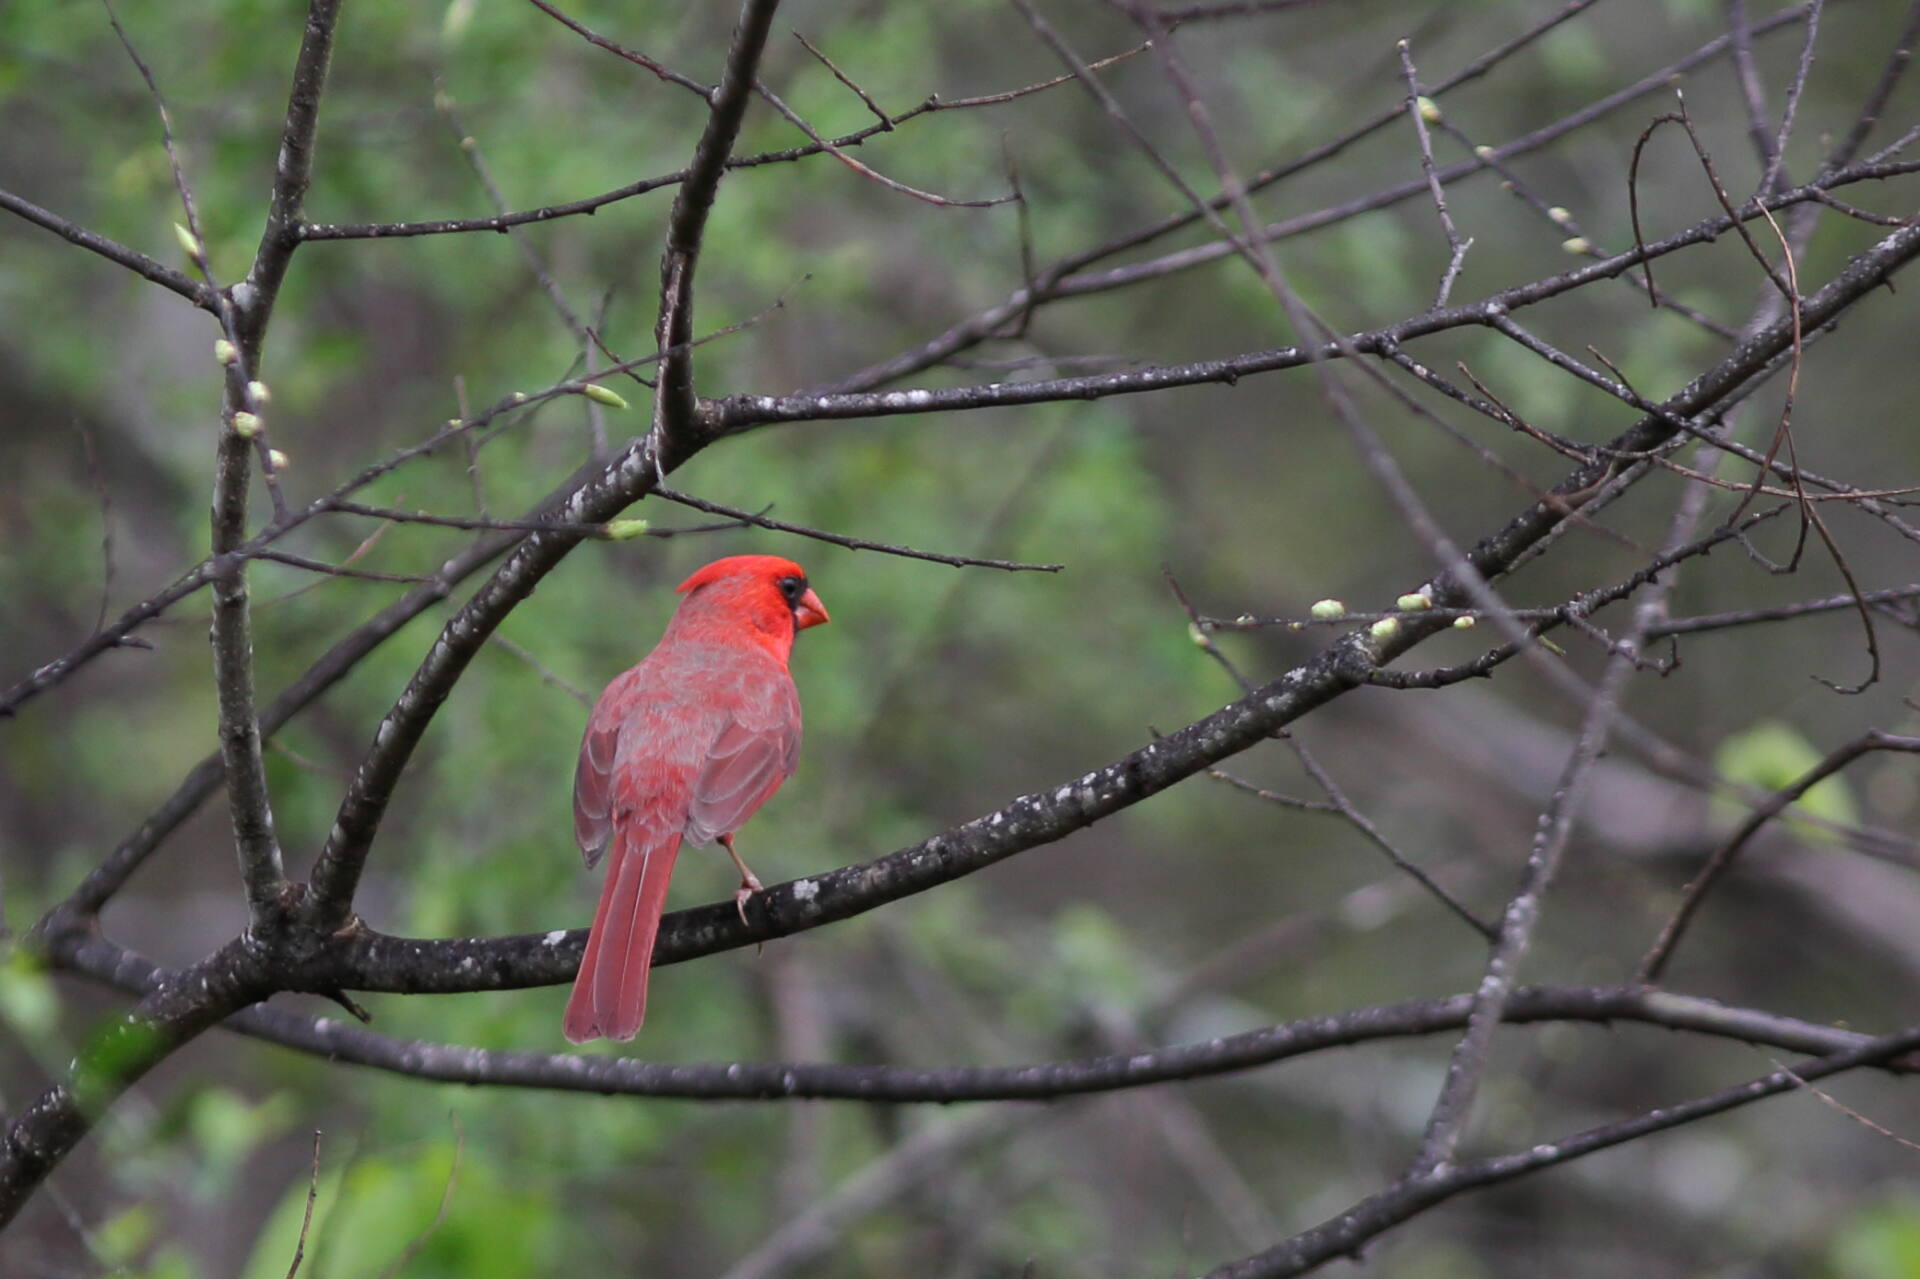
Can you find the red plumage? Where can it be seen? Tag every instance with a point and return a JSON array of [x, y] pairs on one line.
[[686, 746]]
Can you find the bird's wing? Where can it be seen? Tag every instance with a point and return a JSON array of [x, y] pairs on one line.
[[756, 750], [593, 798]]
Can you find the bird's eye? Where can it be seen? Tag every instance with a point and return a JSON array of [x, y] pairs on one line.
[[792, 588]]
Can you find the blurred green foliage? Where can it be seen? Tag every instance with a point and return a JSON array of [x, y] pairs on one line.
[[1774, 756], [936, 695]]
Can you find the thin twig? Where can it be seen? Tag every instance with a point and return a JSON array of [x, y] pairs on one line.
[[1845, 1109], [306, 1221], [540, 668], [256, 845], [868, 171], [840, 539], [886, 121], [419, 1241], [1653, 965], [1417, 108]]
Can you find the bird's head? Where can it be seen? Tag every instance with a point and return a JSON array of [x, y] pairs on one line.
[[766, 592]]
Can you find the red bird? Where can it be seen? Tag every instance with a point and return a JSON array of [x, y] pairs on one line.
[[685, 746]]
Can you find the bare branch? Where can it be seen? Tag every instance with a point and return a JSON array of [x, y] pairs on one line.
[[1418, 109], [704, 92], [306, 1220], [1045, 1081], [737, 413], [1070, 278], [675, 412], [256, 846], [760, 520], [178, 1008], [140, 264], [1346, 1233], [1654, 964]]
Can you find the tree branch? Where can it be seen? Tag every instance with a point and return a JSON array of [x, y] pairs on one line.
[[675, 413], [1344, 1235], [1047, 1081], [140, 264], [1653, 966], [177, 1009], [738, 413]]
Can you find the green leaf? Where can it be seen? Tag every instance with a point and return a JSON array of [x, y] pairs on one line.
[[26, 997], [123, 1236], [1878, 1242], [383, 1204], [1772, 756]]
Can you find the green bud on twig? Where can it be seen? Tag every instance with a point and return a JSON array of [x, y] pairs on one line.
[[1463, 623], [189, 242], [1328, 611], [1385, 629], [246, 425], [1429, 109], [258, 393], [1412, 602], [225, 351], [622, 530], [603, 395]]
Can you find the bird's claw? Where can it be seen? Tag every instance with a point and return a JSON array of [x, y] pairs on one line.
[[748, 887]]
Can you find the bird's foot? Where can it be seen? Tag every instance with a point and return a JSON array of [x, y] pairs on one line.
[[748, 887]]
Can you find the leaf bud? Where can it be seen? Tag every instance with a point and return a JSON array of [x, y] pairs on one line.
[[603, 395]]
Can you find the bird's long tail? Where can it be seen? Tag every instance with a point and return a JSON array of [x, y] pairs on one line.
[[610, 994]]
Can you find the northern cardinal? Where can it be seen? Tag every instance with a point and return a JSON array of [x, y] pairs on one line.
[[685, 746]]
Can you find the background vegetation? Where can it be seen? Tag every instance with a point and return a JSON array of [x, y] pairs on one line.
[[940, 692]]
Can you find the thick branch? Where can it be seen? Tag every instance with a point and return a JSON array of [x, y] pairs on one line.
[[747, 1081], [292, 173], [674, 409], [177, 1009], [255, 843]]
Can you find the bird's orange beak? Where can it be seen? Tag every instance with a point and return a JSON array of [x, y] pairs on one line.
[[809, 612]]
